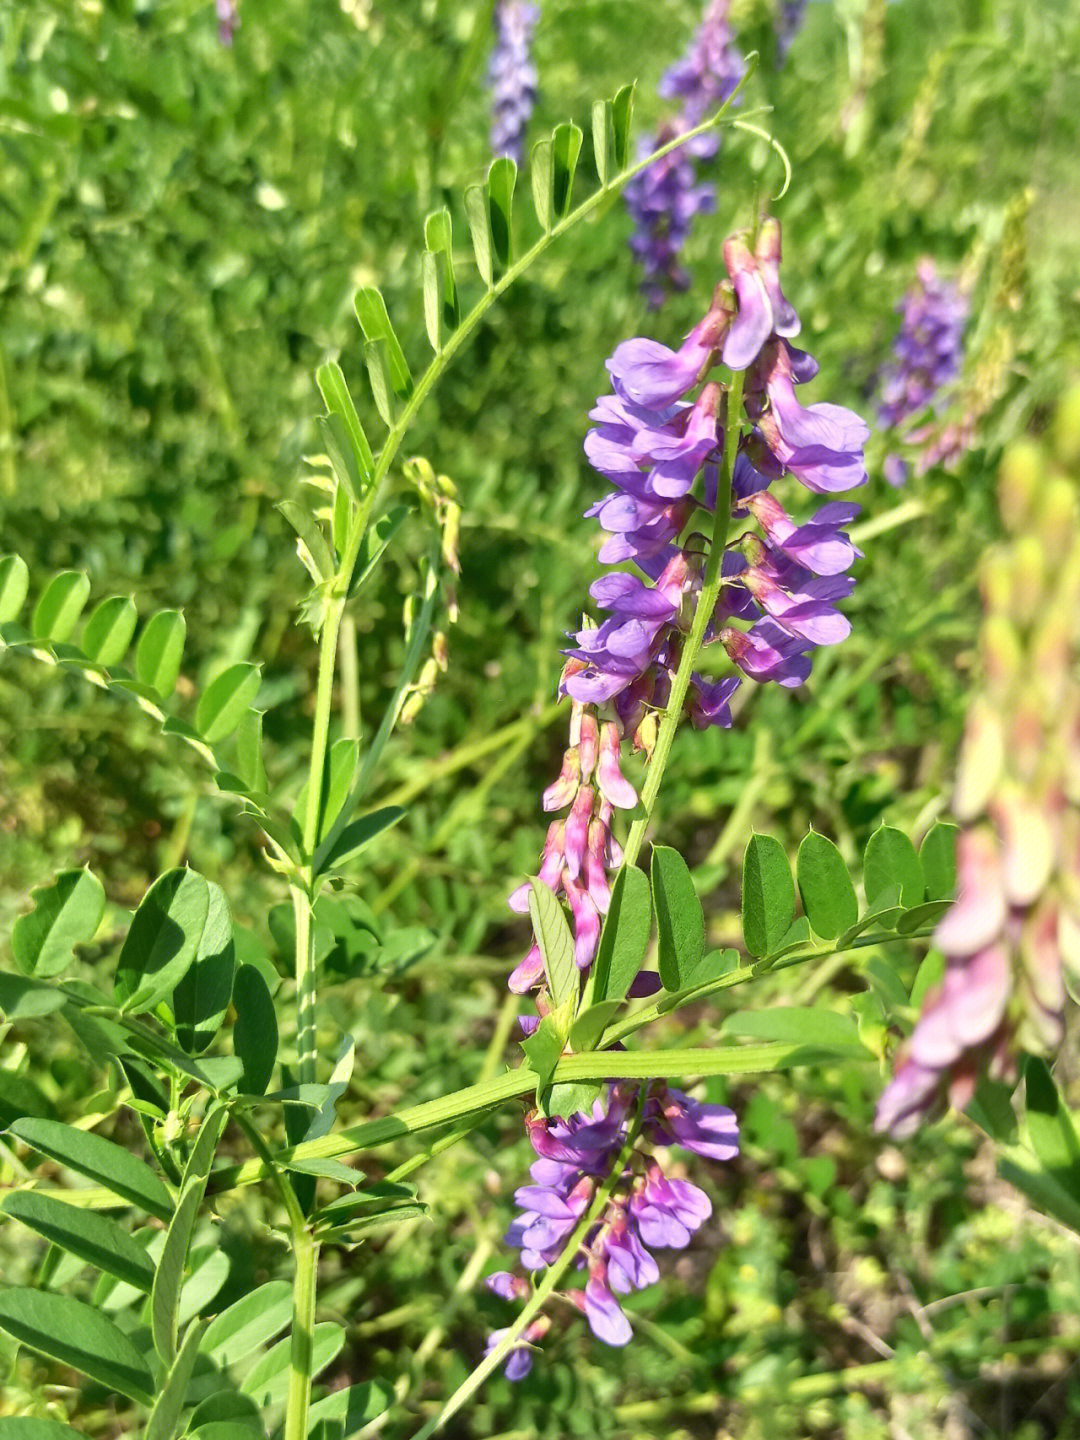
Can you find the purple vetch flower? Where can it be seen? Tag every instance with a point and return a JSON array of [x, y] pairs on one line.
[[929, 354], [512, 77], [520, 1359], [647, 1209]]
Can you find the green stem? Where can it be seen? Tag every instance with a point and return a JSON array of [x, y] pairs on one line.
[[536, 1302], [306, 1036], [305, 1281], [710, 593], [350, 679], [320, 733]]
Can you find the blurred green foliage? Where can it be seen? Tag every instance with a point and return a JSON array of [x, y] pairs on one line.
[[182, 228]]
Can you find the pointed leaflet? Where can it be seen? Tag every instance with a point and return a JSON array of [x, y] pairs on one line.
[[1051, 1128], [97, 1239], [543, 182], [433, 272], [268, 1381], [439, 239], [379, 379], [375, 541], [342, 457], [937, 856], [680, 921], [110, 630], [352, 1407], [75, 1334], [768, 895], [601, 138], [24, 999], [792, 1024], [160, 650], [165, 1416], [14, 583], [502, 177], [588, 1028], [555, 941], [227, 1415], [622, 112], [168, 1280], [625, 936], [61, 604], [375, 323], [248, 1323], [249, 750], [339, 401], [479, 217], [98, 1159], [66, 913], [828, 896], [225, 699], [565, 149], [354, 837], [310, 538], [891, 860], [202, 997], [255, 1033], [163, 939]]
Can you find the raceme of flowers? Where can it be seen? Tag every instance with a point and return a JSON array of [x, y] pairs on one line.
[[1012, 939], [512, 77], [929, 353], [658, 441], [646, 1211], [664, 198]]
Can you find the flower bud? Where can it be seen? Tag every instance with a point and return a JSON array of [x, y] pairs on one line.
[[996, 579], [1028, 844], [561, 792]]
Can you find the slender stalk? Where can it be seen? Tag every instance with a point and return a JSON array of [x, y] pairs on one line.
[[306, 1038], [305, 1281], [710, 592], [320, 732], [536, 1302], [350, 679]]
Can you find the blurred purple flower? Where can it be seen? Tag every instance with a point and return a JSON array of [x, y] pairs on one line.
[[228, 18], [666, 196], [929, 354], [512, 77]]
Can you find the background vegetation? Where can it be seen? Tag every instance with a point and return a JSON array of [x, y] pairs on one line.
[[182, 228]]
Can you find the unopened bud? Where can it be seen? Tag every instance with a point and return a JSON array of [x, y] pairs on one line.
[[440, 651], [645, 734], [1027, 844]]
